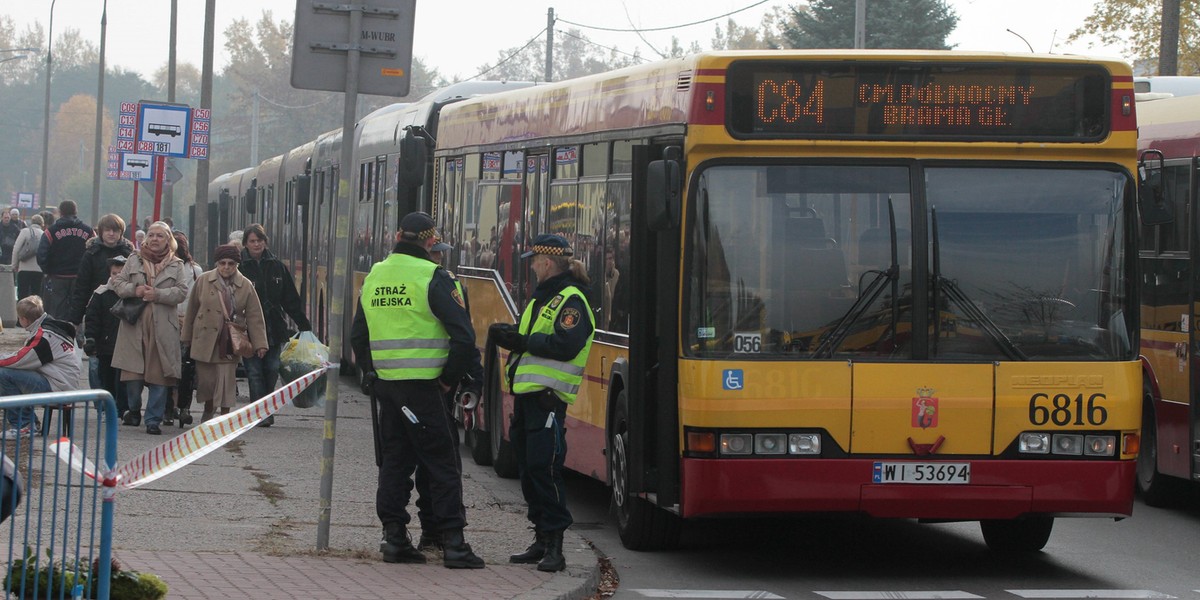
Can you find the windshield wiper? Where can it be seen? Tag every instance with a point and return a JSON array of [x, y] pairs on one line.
[[956, 295], [867, 297]]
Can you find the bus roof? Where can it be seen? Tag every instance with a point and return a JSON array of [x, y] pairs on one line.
[[1170, 125]]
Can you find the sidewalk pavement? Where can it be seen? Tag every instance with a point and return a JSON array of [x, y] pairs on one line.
[[241, 522]]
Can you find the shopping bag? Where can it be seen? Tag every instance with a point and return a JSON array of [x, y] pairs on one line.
[[304, 353]]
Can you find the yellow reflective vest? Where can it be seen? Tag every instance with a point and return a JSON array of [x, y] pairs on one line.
[[536, 373], [407, 340]]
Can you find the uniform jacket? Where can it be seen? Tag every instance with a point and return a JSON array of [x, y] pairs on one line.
[[171, 289], [99, 324], [49, 350], [277, 294], [450, 312], [93, 271], [67, 237], [30, 236], [204, 318]]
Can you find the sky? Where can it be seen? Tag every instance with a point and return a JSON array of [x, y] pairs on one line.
[[138, 30]]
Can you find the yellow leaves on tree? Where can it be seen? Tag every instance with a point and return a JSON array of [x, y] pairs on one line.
[[1136, 26], [72, 137]]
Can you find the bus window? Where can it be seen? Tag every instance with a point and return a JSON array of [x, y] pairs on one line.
[[1172, 237], [469, 176], [622, 157], [595, 159], [998, 297], [486, 213], [614, 277], [775, 268]]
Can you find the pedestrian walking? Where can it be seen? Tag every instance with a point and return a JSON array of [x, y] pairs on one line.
[[147, 351], [221, 296], [549, 350], [9, 230], [280, 301], [59, 254], [24, 259], [413, 335]]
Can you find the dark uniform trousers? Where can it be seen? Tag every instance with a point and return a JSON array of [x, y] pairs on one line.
[[540, 443], [429, 443], [424, 497]]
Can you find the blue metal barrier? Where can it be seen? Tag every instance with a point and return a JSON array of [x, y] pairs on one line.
[[52, 528]]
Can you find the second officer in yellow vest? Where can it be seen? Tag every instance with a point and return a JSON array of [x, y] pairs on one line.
[[412, 330], [549, 352]]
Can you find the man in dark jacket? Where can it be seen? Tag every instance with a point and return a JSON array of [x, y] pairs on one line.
[[59, 254], [9, 230], [93, 269], [279, 299]]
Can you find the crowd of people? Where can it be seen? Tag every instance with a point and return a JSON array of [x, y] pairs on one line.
[[150, 319], [146, 315]]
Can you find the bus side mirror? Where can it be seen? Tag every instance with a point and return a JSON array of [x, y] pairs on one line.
[[301, 190], [1153, 208], [251, 196], [414, 153], [663, 183]]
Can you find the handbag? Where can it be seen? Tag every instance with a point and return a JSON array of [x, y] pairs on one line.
[[239, 338], [129, 309]]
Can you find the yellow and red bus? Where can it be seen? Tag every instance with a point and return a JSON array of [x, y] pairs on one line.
[[899, 284], [1169, 139]]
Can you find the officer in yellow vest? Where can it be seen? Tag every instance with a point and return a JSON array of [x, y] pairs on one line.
[[413, 336], [546, 367]]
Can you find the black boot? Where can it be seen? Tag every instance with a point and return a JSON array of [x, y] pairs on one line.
[[456, 553], [430, 540], [397, 547], [553, 560], [534, 552]]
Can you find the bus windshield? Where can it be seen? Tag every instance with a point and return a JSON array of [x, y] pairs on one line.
[[816, 262]]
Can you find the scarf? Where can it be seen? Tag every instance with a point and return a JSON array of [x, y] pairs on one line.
[[149, 257]]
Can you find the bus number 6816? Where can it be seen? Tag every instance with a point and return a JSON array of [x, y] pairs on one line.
[[1065, 410]]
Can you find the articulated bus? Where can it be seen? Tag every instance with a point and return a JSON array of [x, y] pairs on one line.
[[1169, 140], [899, 284]]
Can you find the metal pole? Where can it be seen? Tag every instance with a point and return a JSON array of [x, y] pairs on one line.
[[860, 24], [254, 130], [550, 45], [199, 246], [341, 248], [168, 201], [1022, 39], [46, 120], [99, 141]]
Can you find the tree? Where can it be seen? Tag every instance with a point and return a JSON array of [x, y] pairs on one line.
[[1135, 27], [71, 145], [893, 24], [769, 34]]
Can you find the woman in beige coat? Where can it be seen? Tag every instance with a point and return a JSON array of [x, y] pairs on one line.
[[205, 335], [147, 352]]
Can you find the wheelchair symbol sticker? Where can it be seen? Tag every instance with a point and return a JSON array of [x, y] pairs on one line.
[[732, 379]]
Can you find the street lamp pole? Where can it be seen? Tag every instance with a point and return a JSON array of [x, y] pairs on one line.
[[46, 122], [99, 119]]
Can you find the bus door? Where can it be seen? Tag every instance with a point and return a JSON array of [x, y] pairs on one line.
[[537, 182]]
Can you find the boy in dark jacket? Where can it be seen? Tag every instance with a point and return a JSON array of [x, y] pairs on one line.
[[100, 328]]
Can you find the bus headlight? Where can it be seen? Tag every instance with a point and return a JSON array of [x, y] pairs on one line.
[[1032, 442], [1068, 443], [770, 443], [737, 443], [1099, 445], [804, 443]]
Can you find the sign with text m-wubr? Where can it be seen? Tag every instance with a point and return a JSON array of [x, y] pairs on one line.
[[383, 40]]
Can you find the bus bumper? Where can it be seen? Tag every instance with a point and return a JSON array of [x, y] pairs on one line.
[[999, 489]]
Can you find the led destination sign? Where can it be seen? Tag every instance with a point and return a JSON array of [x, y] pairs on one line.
[[917, 101]]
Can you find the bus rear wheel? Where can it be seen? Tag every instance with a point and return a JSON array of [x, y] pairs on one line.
[[641, 525], [479, 435], [504, 460], [1029, 534]]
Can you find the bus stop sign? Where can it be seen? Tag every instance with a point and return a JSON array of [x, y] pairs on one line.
[[384, 42]]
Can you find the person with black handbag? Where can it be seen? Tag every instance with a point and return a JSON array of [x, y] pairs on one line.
[[148, 351]]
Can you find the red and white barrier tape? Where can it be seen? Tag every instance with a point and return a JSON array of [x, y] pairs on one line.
[[190, 445]]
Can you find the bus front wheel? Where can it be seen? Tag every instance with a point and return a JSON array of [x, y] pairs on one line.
[[1029, 534], [1157, 489], [641, 525]]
